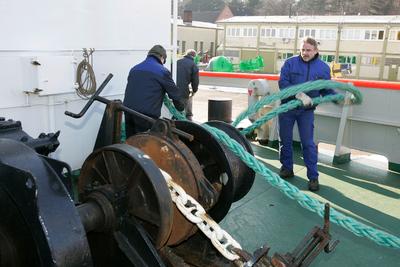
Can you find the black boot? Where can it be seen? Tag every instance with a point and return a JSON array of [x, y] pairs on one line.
[[285, 174], [313, 185]]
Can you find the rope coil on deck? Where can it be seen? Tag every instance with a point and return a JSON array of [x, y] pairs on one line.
[[360, 229]]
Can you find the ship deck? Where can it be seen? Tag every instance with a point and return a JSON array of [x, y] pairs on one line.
[[368, 193], [362, 188]]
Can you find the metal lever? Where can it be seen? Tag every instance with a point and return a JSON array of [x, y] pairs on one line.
[[119, 106], [330, 246], [91, 100], [310, 247]]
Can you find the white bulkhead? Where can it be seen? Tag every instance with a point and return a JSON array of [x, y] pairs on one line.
[[41, 46]]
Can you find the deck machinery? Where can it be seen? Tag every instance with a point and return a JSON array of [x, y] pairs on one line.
[[121, 211]]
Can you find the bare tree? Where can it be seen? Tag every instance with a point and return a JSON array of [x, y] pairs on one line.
[[302, 7], [380, 7]]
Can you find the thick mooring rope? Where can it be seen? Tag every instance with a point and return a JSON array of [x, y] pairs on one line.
[[304, 87], [286, 107], [360, 229]]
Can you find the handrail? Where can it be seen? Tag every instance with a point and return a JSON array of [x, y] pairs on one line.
[[373, 84], [274, 77], [241, 75]]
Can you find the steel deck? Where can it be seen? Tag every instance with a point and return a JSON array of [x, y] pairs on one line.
[[368, 193]]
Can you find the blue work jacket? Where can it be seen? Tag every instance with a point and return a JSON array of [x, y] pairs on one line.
[[296, 71], [147, 84]]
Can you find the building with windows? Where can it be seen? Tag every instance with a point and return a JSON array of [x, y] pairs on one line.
[[200, 36], [371, 44]]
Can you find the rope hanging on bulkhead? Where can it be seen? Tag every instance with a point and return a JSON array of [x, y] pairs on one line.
[[85, 77]]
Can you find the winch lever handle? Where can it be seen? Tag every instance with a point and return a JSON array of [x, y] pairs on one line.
[[91, 100]]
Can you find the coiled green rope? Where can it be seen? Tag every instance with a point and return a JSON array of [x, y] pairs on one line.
[[286, 107], [351, 224], [304, 87]]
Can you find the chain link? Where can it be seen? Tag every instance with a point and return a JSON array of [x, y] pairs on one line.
[[195, 213]]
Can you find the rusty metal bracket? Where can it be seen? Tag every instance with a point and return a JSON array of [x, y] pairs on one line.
[[310, 247], [259, 257], [164, 127]]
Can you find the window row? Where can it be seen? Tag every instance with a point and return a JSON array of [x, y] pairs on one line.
[[320, 34], [365, 60], [197, 46], [278, 33], [358, 34], [250, 32], [307, 32], [284, 56], [281, 33], [394, 35], [328, 58], [232, 32]]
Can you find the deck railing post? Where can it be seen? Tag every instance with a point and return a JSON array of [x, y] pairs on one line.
[[342, 153]]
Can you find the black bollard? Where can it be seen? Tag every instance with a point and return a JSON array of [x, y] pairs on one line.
[[220, 109]]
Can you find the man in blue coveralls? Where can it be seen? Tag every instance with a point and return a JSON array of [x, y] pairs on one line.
[[148, 82], [296, 70]]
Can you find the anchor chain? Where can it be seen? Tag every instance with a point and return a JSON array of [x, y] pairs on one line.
[[196, 214]]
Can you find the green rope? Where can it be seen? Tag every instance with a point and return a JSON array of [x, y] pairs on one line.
[[289, 106], [178, 115], [378, 236], [293, 90], [354, 226]]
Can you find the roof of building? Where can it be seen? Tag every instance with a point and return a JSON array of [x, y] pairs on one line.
[[198, 24], [313, 19], [211, 16], [225, 13], [206, 16]]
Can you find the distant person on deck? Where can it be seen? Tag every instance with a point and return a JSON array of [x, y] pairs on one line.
[[188, 74], [147, 84], [296, 70]]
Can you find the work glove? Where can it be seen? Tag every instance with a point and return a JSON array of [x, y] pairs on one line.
[[307, 101], [179, 105], [348, 100]]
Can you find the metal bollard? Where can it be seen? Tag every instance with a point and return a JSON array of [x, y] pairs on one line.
[[220, 109]]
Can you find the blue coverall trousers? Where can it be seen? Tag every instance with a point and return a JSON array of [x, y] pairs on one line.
[[305, 124]]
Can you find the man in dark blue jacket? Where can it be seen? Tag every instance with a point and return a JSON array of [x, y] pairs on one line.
[[187, 73], [147, 84], [296, 70]]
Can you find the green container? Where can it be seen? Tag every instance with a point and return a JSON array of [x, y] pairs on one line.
[[254, 64], [221, 64]]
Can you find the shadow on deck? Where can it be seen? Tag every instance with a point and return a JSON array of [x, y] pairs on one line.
[[371, 195]]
